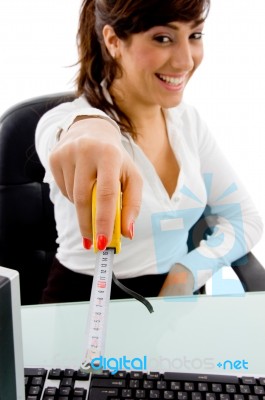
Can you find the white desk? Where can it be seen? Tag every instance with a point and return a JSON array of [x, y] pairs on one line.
[[191, 334]]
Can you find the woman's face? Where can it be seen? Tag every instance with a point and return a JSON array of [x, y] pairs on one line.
[[158, 63]]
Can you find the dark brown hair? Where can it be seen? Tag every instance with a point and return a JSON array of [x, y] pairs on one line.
[[126, 17]]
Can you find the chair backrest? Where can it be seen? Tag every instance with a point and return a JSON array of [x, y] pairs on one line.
[[27, 226]]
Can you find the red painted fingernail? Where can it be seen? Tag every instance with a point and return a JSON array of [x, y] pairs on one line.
[[131, 230], [102, 242], [87, 243]]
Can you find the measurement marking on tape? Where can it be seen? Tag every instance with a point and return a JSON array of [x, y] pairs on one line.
[[98, 308]]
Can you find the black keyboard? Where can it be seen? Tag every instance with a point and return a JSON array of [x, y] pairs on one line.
[[68, 384]]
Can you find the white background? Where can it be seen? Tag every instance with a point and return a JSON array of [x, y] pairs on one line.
[[37, 48]]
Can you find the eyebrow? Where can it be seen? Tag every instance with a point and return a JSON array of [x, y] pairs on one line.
[[194, 24]]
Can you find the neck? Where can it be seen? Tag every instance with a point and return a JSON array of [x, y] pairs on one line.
[[145, 117]]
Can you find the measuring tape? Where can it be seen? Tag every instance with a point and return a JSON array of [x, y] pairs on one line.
[[101, 286], [100, 293]]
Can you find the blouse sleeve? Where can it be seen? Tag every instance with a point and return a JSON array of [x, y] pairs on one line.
[[230, 213], [57, 119]]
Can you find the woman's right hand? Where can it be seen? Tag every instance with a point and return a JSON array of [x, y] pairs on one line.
[[92, 150]]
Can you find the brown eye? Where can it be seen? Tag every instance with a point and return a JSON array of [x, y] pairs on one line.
[[162, 39], [197, 35]]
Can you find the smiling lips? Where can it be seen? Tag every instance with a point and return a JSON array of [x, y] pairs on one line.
[[171, 80]]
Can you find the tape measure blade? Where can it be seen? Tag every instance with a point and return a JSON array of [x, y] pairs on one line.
[[98, 307]]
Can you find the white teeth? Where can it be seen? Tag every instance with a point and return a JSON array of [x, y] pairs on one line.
[[171, 80]]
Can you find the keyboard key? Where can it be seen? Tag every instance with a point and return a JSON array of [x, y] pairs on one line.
[[239, 397], [153, 376], [136, 375], [35, 372], [154, 394], [216, 387], [134, 384], [120, 375], [37, 381], [189, 386], [182, 395], [64, 391], [81, 392], [50, 391], [126, 393], [259, 390], [109, 383], [82, 376], [102, 394], [175, 385], [161, 385], [225, 396], [34, 390], [55, 373], [244, 389], [168, 394], [196, 396], [210, 396], [181, 376], [67, 382], [248, 380], [148, 384], [203, 387], [69, 373], [140, 394], [102, 374], [230, 388]]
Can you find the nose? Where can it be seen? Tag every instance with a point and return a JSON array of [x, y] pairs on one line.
[[183, 56]]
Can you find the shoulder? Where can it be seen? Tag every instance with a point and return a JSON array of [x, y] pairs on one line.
[[80, 101], [71, 106], [63, 115]]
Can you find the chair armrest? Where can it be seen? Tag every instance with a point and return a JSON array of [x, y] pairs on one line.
[[250, 273]]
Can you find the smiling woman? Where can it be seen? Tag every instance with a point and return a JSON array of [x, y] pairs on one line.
[[130, 124], [116, 24], [160, 61]]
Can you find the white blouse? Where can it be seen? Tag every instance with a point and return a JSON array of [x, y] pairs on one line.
[[206, 180]]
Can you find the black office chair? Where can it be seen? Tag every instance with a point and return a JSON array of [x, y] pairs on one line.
[[27, 226]]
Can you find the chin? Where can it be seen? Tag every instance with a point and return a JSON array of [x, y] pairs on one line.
[[171, 104]]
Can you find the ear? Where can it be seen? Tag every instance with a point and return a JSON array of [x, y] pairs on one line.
[[111, 40]]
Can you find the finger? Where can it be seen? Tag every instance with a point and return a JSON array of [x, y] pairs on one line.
[[68, 177], [179, 281], [131, 203], [84, 180], [108, 186], [63, 173], [58, 175]]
